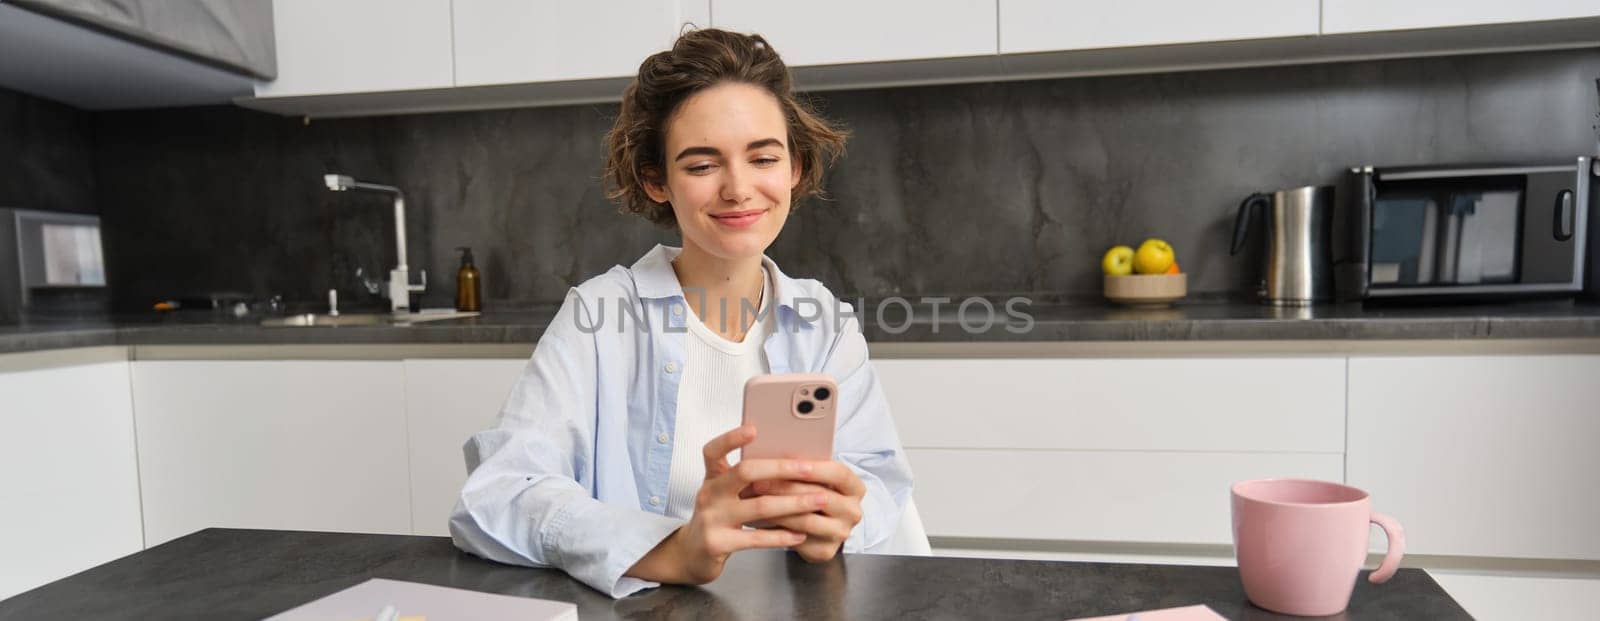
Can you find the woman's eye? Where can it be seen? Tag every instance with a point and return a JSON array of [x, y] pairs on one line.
[[766, 161], [699, 168]]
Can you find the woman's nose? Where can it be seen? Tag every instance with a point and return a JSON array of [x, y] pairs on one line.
[[736, 185]]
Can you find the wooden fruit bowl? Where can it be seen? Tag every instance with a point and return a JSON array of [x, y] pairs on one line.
[[1146, 290]]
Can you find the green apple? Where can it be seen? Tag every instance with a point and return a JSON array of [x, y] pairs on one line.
[[1118, 261]]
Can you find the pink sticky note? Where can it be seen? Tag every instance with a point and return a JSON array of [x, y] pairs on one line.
[[1197, 612]]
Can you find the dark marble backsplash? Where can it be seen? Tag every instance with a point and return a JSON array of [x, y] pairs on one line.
[[992, 188], [46, 155]]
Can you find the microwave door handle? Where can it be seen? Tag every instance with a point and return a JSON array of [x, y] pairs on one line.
[[1449, 248], [1428, 254], [1564, 216]]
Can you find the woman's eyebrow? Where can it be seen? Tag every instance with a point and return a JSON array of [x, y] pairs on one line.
[[764, 142], [697, 151], [712, 151]]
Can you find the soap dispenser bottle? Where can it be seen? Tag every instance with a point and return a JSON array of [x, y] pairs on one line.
[[467, 283]]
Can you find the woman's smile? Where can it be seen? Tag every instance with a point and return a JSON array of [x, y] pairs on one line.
[[741, 219]]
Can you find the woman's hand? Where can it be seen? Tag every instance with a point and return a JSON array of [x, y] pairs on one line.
[[826, 529], [696, 552]]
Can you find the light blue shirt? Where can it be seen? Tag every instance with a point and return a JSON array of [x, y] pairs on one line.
[[575, 473]]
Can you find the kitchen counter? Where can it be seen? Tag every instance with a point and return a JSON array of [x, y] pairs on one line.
[[227, 574], [1055, 323]]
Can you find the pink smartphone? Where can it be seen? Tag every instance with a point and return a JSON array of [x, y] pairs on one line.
[[793, 414]]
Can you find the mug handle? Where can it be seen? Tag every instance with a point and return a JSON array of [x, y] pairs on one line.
[[1397, 548]]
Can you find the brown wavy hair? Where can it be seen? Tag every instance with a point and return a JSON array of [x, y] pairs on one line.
[[700, 59]]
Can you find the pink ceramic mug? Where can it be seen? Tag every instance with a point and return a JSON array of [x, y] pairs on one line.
[[1300, 543]]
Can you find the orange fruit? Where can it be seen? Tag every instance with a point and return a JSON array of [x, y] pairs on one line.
[[1173, 269]]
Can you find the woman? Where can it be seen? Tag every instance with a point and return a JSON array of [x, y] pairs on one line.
[[613, 457]]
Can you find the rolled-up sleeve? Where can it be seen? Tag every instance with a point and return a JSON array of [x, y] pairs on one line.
[[866, 441], [529, 497]]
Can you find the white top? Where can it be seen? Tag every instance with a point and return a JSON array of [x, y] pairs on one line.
[[711, 395]]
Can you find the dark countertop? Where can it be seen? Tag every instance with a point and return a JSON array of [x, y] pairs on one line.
[[1221, 321], [250, 574]]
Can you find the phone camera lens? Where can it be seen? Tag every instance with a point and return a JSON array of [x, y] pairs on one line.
[[821, 394], [804, 407]]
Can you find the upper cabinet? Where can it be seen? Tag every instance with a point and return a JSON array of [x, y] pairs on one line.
[[1049, 26], [831, 32], [228, 34], [353, 46], [359, 57], [115, 54], [512, 41], [1346, 16]]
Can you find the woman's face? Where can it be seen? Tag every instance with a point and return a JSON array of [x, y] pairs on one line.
[[728, 170]]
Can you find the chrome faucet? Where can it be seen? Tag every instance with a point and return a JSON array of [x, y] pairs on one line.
[[400, 287]]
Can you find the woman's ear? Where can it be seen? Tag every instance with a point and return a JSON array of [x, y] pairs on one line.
[[795, 170], [654, 187]]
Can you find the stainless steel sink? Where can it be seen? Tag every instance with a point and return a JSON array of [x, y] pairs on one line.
[[307, 320], [310, 320]]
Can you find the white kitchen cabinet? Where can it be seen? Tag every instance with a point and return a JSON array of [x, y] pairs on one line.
[[831, 32], [446, 402], [1490, 456], [69, 478], [1347, 16], [511, 41], [295, 445], [1121, 496], [354, 46], [1050, 25], [1130, 450], [1137, 404], [366, 57]]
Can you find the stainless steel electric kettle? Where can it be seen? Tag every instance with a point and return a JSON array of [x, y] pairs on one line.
[[1297, 261]]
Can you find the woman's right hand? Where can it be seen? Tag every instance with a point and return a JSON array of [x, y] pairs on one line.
[[697, 551]]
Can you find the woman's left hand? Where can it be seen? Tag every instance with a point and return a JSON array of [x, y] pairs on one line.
[[826, 529]]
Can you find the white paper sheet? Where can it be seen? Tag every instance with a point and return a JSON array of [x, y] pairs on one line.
[[435, 603]]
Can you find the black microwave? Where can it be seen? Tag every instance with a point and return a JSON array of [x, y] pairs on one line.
[[51, 266], [1466, 231]]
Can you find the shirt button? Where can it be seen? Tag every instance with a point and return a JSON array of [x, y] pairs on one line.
[[677, 310], [672, 367], [662, 438], [655, 501]]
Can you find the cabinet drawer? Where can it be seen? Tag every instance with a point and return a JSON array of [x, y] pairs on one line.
[[69, 479], [1187, 404], [298, 445], [1481, 455], [446, 402], [1093, 496]]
